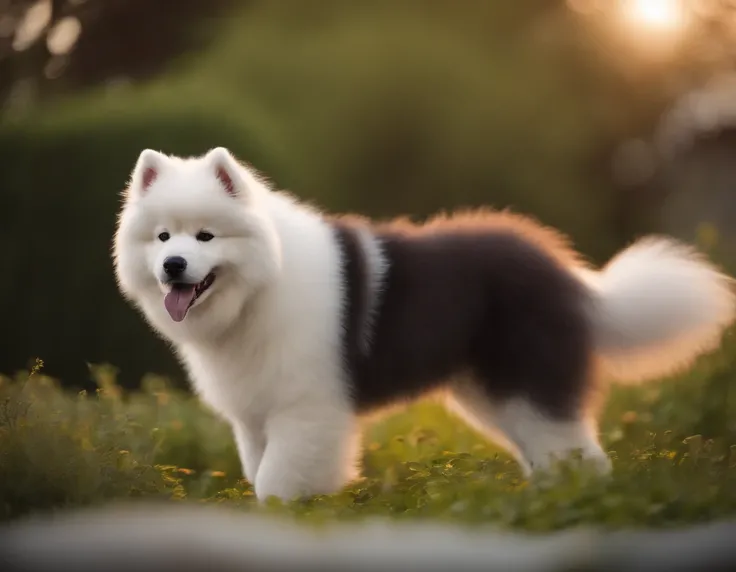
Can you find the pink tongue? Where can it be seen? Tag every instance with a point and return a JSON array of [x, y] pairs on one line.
[[177, 301]]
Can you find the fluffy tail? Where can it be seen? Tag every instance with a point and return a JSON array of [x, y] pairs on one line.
[[658, 305]]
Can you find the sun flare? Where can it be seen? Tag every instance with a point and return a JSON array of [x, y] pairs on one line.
[[660, 15]]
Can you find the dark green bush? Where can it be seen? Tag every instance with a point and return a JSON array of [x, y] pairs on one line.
[[61, 193]]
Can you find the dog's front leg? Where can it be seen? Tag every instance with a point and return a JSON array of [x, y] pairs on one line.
[[251, 443], [309, 450]]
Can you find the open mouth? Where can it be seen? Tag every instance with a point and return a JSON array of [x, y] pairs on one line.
[[183, 296]]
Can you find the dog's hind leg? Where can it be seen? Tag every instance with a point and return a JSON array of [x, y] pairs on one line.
[[534, 437]]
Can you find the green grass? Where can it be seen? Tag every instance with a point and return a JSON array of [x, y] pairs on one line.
[[673, 445]]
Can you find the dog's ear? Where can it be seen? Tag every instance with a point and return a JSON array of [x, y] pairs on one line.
[[227, 170], [146, 171]]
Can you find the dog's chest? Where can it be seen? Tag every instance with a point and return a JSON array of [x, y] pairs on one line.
[[231, 383], [251, 381]]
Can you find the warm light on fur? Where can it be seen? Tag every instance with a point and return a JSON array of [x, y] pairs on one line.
[[312, 322]]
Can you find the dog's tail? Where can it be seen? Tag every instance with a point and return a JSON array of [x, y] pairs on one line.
[[657, 306]]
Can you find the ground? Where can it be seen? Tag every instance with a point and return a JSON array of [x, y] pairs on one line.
[[673, 444]]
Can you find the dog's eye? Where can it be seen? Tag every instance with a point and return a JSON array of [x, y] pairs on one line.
[[204, 236], [164, 236]]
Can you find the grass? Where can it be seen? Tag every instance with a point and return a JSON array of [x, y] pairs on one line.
[[673, 445]]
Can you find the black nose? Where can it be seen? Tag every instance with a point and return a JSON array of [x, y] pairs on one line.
[[174, 266]]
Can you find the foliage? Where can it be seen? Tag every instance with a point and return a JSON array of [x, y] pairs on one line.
[[673, 445]]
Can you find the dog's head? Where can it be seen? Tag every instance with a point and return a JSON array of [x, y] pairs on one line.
[[194, 240]]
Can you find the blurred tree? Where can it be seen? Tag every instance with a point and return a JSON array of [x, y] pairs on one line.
[[50, 47]]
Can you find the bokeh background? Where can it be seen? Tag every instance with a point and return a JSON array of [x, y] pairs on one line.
[[605, 118]]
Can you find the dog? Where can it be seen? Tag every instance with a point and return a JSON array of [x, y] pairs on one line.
[[294, 325]]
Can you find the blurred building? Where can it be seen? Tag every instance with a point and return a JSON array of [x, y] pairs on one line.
[[696, 143]]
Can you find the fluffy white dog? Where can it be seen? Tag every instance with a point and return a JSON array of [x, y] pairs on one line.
[[293, 324]]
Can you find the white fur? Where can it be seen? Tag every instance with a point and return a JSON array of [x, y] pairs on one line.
[[658, 305], [263, 346], [534, 440], [377, 267]]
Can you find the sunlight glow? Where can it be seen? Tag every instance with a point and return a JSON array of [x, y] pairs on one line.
[[655, 15]]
